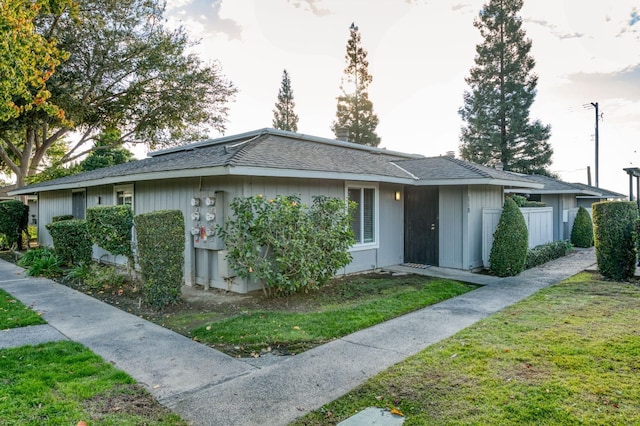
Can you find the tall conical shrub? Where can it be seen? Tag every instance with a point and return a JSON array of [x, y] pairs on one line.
[[510, 242], [582, 231]]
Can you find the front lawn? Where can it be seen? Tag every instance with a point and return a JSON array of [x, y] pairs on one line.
[[64, 383], [352, 304], [14, 314], [568, 355]]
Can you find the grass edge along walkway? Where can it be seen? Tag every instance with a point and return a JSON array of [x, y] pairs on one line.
[[566, 355]]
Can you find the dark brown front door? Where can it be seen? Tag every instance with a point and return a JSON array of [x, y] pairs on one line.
[[421, 225]]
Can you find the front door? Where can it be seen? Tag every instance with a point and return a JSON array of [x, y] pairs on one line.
[[421, 225]]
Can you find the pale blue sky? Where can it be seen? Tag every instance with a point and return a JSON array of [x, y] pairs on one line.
[[419, 53]]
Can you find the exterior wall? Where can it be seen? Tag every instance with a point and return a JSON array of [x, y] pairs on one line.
[[560, 203], [207, 266], [452, 226], [480, 197], [460, 223]]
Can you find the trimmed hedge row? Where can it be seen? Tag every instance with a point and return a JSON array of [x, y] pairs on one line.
[[615, 238], [546, 252], [161, 243], [71, 241], [110, 228], [14, 221]]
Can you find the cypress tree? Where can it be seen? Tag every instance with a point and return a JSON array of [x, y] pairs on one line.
[[497, 127], [284, 117], [355, 110]]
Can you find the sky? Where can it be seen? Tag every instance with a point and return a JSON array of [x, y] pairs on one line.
[[419, 53]]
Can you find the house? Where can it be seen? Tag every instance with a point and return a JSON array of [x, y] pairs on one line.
[[410, 208], [565, 199]]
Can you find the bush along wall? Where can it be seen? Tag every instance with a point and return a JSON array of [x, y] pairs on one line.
[[547, 252], [110, 229], [582, 231], [161, 242], [614, 236], [14, 221], [510, 242], [71, 241]]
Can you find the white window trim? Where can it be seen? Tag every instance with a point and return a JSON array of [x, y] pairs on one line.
[[127, 187], [376, 206]]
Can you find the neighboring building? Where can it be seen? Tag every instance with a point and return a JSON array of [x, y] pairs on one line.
[[410, 209], [32, 202], [565, 199]]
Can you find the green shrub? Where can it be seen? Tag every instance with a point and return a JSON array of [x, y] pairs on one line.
[[110, 228], [547, 252], [71, 241], [161, 242], [534, 204], [582, 230], [101, 277], [614, 228], [285, 244], [519, 200], [14, 221], [61, 217], [41, 262], [510, 242]]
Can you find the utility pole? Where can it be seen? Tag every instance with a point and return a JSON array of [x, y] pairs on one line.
[[595, 105]]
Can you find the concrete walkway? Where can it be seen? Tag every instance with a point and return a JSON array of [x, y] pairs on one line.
[[206, 387]]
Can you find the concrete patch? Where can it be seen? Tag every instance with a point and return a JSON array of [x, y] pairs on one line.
[[373, 416]]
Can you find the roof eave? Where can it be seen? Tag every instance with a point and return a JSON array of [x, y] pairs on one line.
[[478, 181]]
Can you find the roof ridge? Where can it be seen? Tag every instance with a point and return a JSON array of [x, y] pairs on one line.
[[468, 165]]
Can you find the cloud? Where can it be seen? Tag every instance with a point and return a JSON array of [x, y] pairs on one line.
[[554, 29], [635, 18], [463, 7], [311, 5], [622, 84], [207, 14]]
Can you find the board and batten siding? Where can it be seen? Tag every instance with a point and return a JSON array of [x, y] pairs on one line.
[[53, 203], [460, 223]]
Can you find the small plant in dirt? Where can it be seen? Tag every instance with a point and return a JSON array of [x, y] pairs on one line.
[[510, 242], [288, 246], [41, 261], [582, 231], [97, 277]]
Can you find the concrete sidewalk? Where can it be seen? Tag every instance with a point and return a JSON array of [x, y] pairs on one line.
[[206, 387]]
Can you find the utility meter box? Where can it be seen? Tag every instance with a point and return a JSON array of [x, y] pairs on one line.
[[207, 214]]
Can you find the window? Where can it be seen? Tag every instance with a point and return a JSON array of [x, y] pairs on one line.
[[123, 195], [364, 215], [78, 204]]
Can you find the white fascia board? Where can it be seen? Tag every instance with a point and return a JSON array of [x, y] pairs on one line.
[[170, 174], [565, 191], [479, 181]]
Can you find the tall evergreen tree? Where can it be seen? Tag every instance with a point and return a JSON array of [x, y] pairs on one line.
[[355, 111], [497, 126], [284, 117]]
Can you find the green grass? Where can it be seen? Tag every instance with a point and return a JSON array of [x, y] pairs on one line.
[[350, 308], [63, 383], [14, 314], [568, 355]]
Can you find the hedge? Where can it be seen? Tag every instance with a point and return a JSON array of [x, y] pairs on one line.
[[614, 235], [510, 242], [110, 228], [71, 241], [14, 221], [546, 252], [582, 230], [161, 242]]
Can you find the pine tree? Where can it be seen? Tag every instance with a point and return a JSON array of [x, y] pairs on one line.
[[355, 111], [497, 126], [284, 117]]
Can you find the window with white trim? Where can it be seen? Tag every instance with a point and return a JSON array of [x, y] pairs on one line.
[[364, 215], [123, 195]]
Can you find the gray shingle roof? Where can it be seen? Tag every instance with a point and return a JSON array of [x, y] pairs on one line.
[[445, 167], [604, 193], [267, 152]]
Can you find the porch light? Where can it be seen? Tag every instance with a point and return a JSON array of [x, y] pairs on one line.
[[397, 196]]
